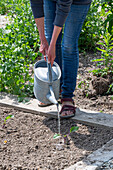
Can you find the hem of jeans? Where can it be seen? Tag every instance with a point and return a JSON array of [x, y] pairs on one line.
[[63, 97]]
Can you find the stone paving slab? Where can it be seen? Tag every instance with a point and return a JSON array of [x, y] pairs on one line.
[[82, 116], [96, 159]]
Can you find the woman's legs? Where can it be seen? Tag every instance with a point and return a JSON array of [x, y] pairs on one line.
[[70, 53]]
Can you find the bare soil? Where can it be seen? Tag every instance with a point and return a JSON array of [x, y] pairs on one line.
[[26, 142], [92, 94]]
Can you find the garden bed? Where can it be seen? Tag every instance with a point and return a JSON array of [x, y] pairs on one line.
[[99, 102], [27, 141]]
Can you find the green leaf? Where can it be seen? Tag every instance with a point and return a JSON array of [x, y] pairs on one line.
[[101, 50], [101, 111], [111, 97], [79, 85], [74, 128], [20, 99], [8, 117], [98, 60], [56, 136], [26, 100]]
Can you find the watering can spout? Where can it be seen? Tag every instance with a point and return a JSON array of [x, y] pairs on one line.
[[51, 97]]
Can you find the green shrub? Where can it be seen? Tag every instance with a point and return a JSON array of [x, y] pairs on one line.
[[92, 28], [19, 44], [99, 18], [108, 23], [3, 8]]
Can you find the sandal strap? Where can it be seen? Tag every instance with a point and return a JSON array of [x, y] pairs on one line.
[[68, 107], [67, 100]]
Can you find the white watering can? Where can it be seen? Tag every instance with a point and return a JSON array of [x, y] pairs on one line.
[[46, 81]]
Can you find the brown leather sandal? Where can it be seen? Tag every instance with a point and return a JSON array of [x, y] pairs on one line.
[[67, 108]]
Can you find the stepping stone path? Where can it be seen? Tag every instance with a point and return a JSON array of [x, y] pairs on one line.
[[96, 159]]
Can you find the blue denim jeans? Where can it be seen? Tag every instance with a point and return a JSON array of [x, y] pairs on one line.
[[67, 53]]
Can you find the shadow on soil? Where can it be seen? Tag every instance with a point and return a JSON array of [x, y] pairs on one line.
[[88, 138]]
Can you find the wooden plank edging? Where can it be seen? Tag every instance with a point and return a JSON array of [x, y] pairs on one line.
[[82, 116]]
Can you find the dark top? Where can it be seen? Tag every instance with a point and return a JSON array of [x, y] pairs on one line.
[[62, 10]]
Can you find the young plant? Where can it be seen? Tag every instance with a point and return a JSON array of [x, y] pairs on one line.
[[6, 118], [105, 63], [84, 83], [106, 60], [112, 97], [65, 137], [110, 89]]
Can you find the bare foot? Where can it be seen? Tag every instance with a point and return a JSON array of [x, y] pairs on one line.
[[43, 104]]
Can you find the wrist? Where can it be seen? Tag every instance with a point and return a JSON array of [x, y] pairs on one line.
[[56, 32], [53, 43], [42, 38]]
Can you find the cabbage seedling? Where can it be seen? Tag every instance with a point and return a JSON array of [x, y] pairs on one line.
[[65, 137], [6, 118]]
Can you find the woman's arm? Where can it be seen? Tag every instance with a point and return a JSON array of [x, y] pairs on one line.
[[37, 8], [38, 13], [44, 44], [63, 8]]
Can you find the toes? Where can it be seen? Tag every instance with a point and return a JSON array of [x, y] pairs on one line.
[[41, 103], [66, 113]]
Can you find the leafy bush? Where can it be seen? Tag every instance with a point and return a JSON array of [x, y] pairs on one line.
[[99, 18], [19, 43], [92, 28], [3, 8], [108, 23]]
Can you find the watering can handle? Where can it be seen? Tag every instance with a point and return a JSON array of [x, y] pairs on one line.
[[49, 70]]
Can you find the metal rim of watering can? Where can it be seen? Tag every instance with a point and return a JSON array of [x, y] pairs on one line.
[[54, 64]]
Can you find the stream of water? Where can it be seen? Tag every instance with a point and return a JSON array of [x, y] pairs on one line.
[[58, 118], [59, 145]]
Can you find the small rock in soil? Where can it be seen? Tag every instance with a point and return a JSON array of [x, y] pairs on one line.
[[36, 147]]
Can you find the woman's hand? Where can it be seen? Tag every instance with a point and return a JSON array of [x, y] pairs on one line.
[[51, 53], [52, 47], [44, 47]]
